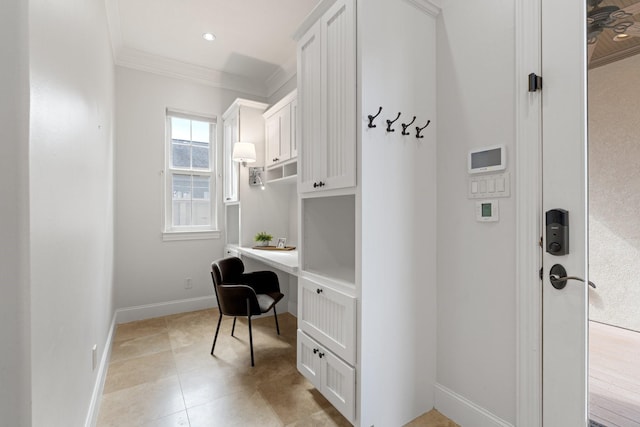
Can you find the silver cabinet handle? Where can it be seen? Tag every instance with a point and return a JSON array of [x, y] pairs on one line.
[[558, 277]]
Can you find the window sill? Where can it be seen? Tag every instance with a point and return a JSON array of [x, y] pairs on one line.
[[171, 236]]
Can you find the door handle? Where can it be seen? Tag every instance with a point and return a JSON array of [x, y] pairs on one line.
[[558, 277]]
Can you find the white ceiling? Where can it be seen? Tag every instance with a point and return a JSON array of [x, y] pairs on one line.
[[253, 50]]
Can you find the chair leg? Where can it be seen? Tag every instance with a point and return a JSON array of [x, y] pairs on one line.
[[250, 332], [276, 317], [233, 328], [216, 337]]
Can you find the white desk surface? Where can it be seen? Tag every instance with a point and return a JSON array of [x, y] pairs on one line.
[[286, 261]]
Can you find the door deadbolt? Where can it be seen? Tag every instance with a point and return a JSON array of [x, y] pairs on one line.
[[558, 277]]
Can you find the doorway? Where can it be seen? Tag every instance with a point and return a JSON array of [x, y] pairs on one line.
[[614, 241]]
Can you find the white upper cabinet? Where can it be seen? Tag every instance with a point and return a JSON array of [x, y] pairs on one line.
[[242, 121], [280, 131], [231, 169], [327, 100]]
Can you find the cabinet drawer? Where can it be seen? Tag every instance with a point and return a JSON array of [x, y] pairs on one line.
[[338, 384], [328, 316], [308, 362], [335, 379]]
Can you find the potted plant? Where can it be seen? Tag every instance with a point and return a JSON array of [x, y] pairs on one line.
[[263, 238]]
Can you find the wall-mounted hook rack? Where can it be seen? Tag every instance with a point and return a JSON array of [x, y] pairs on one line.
[[420, 129], [405, 126], [390, 122], [371, 118]]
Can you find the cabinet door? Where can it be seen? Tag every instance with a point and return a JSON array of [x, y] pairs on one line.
[[328, 316], [309, 162], [294, 128], [285, 133], [272, 136], [338, 384], [308, 362], [338, 60], [231, 169]]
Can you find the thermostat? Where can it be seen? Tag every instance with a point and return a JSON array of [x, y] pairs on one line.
[[487, 159], [487, 211]]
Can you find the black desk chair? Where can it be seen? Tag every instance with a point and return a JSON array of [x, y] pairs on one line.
[[243, 294]]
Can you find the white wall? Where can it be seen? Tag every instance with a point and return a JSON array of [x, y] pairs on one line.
[[148, 270], [398, 207], [14, 235], [614, 193], [476, 261], [71, 204]]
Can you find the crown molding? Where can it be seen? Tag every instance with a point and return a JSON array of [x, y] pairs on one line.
[[144, 61], [281, 76], [430, 7], [138, 60]]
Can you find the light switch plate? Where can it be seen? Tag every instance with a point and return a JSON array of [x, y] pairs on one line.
[[483, 186]]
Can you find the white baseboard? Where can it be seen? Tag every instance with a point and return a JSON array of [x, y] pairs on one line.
[[463, 411], [98, 388], [148, 311]]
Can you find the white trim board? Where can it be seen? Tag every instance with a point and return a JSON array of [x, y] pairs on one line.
[[528, 217], [148, 311], [463, 411], [98, 388]]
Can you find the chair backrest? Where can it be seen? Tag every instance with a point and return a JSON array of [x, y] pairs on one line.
[[230, 269], [231, 300]]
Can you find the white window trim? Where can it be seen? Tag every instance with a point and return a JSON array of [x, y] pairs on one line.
[[171, 233]]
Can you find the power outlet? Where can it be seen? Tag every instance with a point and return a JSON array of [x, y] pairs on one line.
[[187, 283], [94, 357]]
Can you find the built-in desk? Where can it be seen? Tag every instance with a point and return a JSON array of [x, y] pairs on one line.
[[283, 262], [286, 261]]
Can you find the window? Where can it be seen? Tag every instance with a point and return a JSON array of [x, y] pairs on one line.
[[190, 174]]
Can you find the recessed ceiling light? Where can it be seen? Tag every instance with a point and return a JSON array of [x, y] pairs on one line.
[[620, 37], [208, 37]]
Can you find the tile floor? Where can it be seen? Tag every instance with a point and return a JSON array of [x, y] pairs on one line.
[[162, 375]]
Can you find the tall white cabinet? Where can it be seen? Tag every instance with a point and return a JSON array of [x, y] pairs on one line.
[[366, 291], [327, 303]]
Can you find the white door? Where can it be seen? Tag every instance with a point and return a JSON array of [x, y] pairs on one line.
[[564, 124]]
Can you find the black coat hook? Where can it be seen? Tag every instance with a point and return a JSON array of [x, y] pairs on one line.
[[404, 127], [390, 122], [371, 118], [419, 129]]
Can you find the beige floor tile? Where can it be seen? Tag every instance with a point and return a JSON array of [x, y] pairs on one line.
[[197, 357], [138, 370], [190, 328], [235, 410], [203, 386], [179, 419], [328, 417], [432, 418], [141, 328], [162, 375], [292, 397], [141, 404], [141, 346]]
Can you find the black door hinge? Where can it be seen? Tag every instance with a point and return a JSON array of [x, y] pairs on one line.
[[540, 273], [535, 82]]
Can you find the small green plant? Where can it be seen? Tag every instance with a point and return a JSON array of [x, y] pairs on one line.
[[263, 237]]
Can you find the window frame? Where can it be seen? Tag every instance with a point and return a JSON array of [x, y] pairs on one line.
[[189, 232]]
